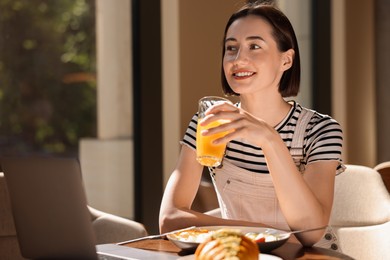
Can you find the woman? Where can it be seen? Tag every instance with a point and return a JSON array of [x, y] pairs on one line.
[[261, 66]]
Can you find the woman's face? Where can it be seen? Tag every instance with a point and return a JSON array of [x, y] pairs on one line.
[[252, 61]]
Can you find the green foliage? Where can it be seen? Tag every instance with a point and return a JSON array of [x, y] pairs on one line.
[[47, 75]]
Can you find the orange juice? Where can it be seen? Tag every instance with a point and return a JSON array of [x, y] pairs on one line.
[[207, 153]]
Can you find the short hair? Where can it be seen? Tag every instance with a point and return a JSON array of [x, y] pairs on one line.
[[285, 38]]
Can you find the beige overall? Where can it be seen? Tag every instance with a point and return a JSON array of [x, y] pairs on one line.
[[250, 196]]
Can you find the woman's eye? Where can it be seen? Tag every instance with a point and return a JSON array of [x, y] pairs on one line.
[[254, 46], [231, 48]]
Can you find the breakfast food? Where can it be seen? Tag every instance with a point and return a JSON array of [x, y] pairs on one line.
[[226, 244], [192, 236], [261, 237]]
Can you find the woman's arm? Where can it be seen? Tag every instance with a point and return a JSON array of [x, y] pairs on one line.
[[180, 192], [305, 200]]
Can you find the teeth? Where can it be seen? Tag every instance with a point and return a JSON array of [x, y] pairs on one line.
[[243, 74]]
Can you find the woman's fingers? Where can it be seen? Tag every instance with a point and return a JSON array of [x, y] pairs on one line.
[[237, 123], [223, 111], [223, 106]]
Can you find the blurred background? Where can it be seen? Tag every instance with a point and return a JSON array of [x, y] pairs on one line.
[[115, 83]]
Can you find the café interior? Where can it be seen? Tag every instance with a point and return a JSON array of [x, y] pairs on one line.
[[155, 59]]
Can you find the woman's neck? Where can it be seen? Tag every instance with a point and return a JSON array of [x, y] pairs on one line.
[[270, 109]]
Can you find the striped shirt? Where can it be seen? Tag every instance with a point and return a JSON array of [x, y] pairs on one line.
[[323, 140]]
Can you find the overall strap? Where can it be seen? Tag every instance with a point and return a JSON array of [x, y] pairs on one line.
[[296, 149]]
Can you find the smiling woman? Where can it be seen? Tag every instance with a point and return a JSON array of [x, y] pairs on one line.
[[281, 158], [47, 76]]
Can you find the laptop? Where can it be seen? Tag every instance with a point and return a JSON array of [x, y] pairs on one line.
[[49, 207], [50, 212]]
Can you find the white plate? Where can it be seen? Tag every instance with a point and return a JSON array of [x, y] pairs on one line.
[[264, 247], [261, 257]]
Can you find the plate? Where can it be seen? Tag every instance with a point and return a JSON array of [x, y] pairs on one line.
[[261, 257], [199, 234]]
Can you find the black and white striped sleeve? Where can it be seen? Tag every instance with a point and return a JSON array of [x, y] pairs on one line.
[[189, 138], [324, 141]]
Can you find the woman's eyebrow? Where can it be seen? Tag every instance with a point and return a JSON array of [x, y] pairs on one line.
[[255, 38], [230, 40], [247, 38]]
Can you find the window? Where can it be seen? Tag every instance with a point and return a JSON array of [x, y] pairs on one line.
[[47, 76]]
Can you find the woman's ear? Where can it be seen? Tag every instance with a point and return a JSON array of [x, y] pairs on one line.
[[287, 59]]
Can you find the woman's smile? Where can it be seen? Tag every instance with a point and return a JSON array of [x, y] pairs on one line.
[[239, 75]]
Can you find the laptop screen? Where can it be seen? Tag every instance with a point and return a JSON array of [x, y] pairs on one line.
[[49, 207]]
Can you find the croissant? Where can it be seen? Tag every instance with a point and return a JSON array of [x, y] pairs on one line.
[[227, 244]]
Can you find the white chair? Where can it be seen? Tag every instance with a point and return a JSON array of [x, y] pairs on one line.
[[361, 213]]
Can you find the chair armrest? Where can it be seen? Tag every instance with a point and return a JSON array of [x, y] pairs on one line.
[[109, 228]]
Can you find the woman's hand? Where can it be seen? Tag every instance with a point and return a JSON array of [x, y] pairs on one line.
[[242, 125]]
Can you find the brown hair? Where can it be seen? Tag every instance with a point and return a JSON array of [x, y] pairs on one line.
[[285, 38]]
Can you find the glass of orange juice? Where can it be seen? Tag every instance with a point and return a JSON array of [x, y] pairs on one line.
[[207, 153]]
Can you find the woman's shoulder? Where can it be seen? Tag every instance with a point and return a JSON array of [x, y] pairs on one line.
[[319, 124], [317, 118]]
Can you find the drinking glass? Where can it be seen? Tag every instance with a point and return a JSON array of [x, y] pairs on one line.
[[207, 153]]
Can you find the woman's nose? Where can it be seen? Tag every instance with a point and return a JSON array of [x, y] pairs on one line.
[[240, 57]]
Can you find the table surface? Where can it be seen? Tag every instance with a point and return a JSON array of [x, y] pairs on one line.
[[288, 251]]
